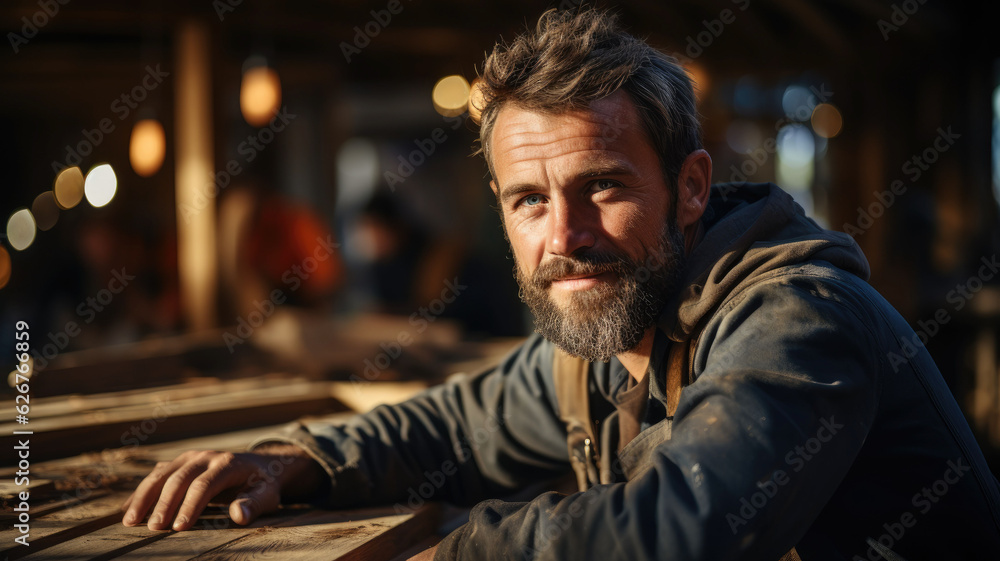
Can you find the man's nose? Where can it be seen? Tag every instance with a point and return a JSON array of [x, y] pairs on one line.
[[570, 229]]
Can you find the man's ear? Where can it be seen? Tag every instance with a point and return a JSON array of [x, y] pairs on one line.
[[493, 185], [693, 186]]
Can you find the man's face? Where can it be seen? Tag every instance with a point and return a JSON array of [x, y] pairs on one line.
[[589, 218]]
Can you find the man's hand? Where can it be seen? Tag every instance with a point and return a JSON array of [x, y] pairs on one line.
[[182, 488]]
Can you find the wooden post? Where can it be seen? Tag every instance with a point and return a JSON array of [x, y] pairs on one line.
[[195, 192]]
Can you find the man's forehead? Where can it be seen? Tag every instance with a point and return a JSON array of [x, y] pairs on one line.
[[606, 119], [609, 125]]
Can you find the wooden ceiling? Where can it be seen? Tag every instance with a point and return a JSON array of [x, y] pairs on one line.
[[428, 35]]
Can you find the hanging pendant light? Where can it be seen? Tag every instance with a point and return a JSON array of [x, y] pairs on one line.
[[147, 147], [260, 92]]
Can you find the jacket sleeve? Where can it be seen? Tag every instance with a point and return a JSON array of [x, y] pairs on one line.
[[470, 438], [786, 390]]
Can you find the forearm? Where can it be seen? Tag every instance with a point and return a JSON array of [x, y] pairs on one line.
[[473, 437]]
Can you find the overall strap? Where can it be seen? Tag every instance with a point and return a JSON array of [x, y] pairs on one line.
[[678, 373], [571, 376]]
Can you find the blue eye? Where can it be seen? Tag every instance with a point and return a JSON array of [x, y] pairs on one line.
[[604, 184], [532, 200]]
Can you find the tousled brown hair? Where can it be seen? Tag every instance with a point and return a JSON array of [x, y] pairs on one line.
[[576, 57]]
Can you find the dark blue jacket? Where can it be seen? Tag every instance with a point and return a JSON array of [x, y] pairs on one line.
[[814, 418]]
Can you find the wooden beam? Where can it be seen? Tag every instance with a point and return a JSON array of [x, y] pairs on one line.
[[196, 252], [64, 524], [57, 437]]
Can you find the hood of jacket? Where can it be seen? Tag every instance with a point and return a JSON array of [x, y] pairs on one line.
[[749, 229]]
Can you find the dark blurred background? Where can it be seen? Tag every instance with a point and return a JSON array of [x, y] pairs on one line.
[[285, 176]]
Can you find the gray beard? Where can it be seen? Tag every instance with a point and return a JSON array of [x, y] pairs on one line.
[[613, 318]]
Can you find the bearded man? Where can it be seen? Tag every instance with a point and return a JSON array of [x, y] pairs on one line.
[[709, 362]]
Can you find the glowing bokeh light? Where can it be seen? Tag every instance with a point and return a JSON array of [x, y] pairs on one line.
[[260, 95], [477, 102], [996, 143], [796, 159], [699, 78], [13, 378], [796, 145], [68, 188], [451, 95], [5, 268], [826, 120], [21, 229], [45, 210], [100, 185], [147, 147], [798, 102], [357, 173]]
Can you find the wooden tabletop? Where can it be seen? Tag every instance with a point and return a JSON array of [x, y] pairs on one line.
[[74, 510], [100, 419]]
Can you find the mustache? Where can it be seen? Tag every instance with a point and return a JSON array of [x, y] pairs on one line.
[[585, 264]]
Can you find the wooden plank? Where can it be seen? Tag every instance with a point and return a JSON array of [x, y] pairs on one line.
[[62, 437], [387, 545], [214, 529], [372, 537], [137, 461], [362, 397], [306, 346], [108, 542], [162, 360], [227, 394], [369, 534], [52, 504], [195, 388], [64, 524], [56, 406], [93, 529], [180, 546], [9, 489], [134, 421]]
